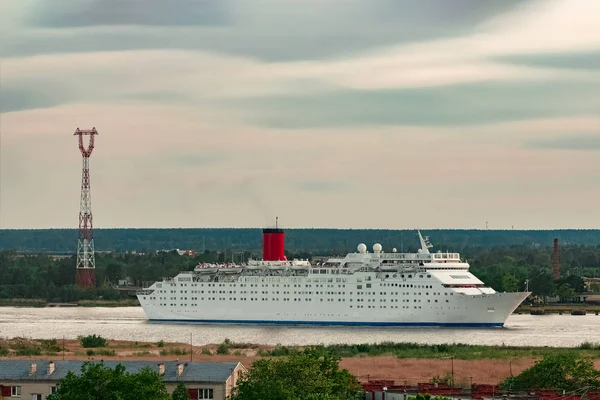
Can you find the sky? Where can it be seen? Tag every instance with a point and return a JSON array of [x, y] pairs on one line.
[[333, 113]]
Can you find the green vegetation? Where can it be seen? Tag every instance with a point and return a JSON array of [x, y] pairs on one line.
[[29, 348], [98, 381], [505, 260], [160, 343], [100, 352], [318, 241], [175, 351], [93, 341], [427, 396], [303, 375], [180, 392], [417, 350], [569, 372]]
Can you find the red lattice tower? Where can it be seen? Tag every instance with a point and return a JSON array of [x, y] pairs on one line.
[[86, 263], [555, 261]]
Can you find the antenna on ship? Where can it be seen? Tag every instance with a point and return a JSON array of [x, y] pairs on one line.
[[425, 245], [276, 222]]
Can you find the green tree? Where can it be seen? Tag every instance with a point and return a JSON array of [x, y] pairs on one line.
[[304, 375], [181, 392], [566, 292], [510, 283], [99, 382], [560, 371]]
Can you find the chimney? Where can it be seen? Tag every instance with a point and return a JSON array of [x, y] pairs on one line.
[[179, 369], [161, 369], [555, 261], [273, 244], [50, 367], [32, 368]]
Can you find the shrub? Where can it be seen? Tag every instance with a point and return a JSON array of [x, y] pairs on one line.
[[223, 349], [161, 343], [206, 352], [93, 341]]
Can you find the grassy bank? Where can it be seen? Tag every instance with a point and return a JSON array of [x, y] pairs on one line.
[[440, 351], [80, 303], [30, 347], [559, 308]]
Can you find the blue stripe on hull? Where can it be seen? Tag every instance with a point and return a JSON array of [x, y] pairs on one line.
[[346, 323]]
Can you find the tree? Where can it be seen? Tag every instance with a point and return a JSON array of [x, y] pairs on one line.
[[566, 292], [574, 282], [181, 392], [303, 375], [99, 382], [559, 371], [510, 283]]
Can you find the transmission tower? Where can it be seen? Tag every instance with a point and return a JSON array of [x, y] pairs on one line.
[[86, 264]]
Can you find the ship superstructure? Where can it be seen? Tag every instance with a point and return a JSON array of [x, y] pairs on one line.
[[363, 288]]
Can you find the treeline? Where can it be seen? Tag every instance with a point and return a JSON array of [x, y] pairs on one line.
[[316, 241], [505, 268]]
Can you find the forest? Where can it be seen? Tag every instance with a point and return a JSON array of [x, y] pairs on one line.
[[315, 241], [506, 260]]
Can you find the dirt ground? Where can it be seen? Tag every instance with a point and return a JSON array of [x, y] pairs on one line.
[[407, 370]]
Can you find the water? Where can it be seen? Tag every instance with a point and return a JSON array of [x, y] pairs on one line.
[[130, 323]]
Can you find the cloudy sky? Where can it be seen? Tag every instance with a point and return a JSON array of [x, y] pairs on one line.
[[329, 113]]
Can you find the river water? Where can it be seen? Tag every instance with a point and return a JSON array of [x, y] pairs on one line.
[[130, 323]]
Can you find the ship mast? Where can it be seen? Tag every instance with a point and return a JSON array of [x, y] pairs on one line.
[[425, 245]]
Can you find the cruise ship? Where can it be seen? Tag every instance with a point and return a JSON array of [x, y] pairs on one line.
[[373, 288]]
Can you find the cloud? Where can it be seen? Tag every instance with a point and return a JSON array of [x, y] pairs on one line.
[[458, 105], [275, 108], [269, 30], [320, 186], [75, 13], [573, 61], [589, 142]]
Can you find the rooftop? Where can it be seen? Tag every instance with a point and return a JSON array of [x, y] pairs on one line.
[[19, 370]]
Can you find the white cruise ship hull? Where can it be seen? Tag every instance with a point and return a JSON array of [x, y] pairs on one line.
[[486, 310], [376, 289]]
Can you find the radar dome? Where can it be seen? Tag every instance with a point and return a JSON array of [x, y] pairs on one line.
[[394, 250], [376, 247], [362, 248]]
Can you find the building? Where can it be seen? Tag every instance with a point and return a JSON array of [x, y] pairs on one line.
[[36, 379]]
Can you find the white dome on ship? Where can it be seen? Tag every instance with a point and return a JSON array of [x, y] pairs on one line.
[[394, 250], [377, 247], [362, 248]]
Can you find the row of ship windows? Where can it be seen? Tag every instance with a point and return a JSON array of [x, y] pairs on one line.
[[323, 293], [368, 286], [277, 284], [294, 299], [317, 293], [371, 307], [305, 292]]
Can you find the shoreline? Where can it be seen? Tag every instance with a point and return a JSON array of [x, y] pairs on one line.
[[402, 362], [567, 309]]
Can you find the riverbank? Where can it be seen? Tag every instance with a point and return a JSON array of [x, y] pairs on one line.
[[577, 308], [41, 303], [408, 362]]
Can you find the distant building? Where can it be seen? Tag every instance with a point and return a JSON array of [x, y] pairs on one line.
[[180, 252], [36, 379]]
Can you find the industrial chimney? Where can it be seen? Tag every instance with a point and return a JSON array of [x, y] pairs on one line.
[[555, 261], [273, 244]]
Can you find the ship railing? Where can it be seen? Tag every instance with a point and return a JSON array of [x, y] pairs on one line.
[[146, 284], [144, 292]]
